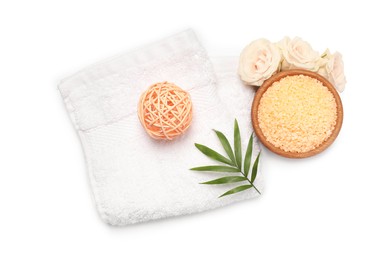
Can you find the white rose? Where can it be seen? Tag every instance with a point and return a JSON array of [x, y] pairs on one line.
[[298, 54], [323, 70], [333, 69], [258, 61]]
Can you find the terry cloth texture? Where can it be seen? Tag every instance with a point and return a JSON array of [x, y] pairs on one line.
[[135, 178]]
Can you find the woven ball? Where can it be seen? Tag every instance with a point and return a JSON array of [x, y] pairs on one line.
[[165, 111]]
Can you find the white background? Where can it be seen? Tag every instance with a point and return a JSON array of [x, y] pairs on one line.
[[333, 206]]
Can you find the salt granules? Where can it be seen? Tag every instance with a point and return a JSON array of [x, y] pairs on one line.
[[297, 113]]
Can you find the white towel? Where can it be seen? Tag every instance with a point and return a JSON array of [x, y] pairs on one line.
[[135, 178]]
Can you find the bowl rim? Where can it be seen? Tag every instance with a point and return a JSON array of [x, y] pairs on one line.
[[277, 77]]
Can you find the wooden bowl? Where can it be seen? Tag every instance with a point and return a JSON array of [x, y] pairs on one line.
[[268, 83]]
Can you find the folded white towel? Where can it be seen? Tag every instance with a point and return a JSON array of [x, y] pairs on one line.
[[135, 178]]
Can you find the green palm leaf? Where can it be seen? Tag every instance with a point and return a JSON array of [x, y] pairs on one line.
[[236, 190], [254, 169], [237, 144], [224, 180], [226, 145], [215, 168], [233, 164], [248, 156], [213, 154]]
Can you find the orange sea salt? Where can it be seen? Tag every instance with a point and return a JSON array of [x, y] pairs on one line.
[[297, 113]]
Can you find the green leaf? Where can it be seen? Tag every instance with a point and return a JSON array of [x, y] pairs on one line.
[[233, 164], [237, 145], [254, 169], [224, 180], [213, 154], [236, 190], [226, 145], [215, 168], [248, 156]]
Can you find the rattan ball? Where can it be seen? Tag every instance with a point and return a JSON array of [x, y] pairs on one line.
[[165, 111]]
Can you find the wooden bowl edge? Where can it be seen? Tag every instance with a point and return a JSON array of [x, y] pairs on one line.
[[263, 89]]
